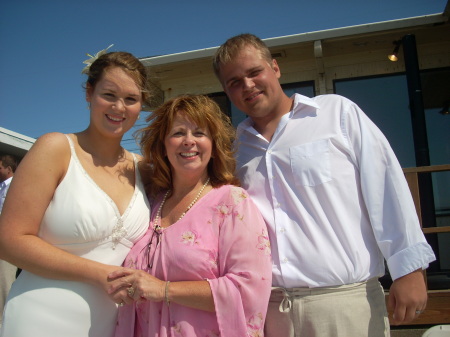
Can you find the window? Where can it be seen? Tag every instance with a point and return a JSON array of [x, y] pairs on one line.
[[385, 101]]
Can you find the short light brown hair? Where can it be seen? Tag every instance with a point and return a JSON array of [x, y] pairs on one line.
[[234, 45], [202, 111]]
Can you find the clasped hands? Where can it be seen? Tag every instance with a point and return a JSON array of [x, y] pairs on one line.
[[126, 286]]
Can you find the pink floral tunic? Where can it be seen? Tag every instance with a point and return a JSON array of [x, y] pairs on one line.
[[222, 239]]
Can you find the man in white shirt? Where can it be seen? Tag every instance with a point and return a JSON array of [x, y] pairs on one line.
[[8, 165], [335, 201]]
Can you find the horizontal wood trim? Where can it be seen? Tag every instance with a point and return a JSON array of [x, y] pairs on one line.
[[428, 230], [424, 169]]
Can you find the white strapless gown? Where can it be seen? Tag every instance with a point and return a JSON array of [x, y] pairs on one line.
[[83, 220]]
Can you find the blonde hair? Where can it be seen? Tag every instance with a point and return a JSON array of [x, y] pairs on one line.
[[202, 111], [234, 45]]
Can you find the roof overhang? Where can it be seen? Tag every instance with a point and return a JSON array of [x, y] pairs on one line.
[[14, 143], [432, 19]]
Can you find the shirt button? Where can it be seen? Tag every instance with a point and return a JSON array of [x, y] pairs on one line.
[[270, 151], [282, 230], [285, 260]]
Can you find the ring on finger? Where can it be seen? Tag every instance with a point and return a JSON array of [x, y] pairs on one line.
[[418, 312], [121, 304], [130, 291]]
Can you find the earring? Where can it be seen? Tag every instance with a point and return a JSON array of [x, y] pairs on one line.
[[139, 116], [89, 106]]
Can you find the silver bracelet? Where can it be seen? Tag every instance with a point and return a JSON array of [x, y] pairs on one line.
[[166, 293]]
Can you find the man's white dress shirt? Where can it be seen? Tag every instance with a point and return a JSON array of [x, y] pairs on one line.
[[333, 195], [4, 186]]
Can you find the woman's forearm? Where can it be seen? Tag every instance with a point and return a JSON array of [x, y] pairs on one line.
[[193, 294]]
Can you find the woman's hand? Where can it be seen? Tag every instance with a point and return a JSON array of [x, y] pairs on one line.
[[120, 296], [136, 284]]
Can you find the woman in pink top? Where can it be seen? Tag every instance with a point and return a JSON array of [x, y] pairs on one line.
[[204, 266]]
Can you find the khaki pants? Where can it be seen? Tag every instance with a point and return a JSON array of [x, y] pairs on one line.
[[7, 277], [355, 310]]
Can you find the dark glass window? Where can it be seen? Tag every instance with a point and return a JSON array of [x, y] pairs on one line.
[[385, 101]]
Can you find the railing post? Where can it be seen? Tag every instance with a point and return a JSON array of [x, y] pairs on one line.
[[420, 139]]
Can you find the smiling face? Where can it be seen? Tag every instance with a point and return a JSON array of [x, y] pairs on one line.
[[115, 101], [188, 148], [251, 83]]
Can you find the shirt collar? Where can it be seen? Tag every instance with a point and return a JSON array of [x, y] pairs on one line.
[[300, 100], [7, 181]]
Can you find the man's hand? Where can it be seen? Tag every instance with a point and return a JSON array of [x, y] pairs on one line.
[[407, 297]]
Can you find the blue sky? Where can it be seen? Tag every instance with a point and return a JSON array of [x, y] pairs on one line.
[[43, 43]]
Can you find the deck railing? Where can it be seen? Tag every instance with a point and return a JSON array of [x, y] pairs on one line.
[[438, 307]]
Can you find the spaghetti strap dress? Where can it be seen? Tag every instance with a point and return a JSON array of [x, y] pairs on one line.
[[83, 220]]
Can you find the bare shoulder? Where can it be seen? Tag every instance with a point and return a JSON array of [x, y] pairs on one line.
[[51, 151], [138, 156], [140, 161], [144, 169], [34, 184], [53, 141], [131, 156]]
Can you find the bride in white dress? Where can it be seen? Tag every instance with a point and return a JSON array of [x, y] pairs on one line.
[[74, 209]]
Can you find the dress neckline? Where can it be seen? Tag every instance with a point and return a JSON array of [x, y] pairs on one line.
[[199, 202], [119, 231]]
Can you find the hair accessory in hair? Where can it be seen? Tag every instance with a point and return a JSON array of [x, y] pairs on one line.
[[93, 58]]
